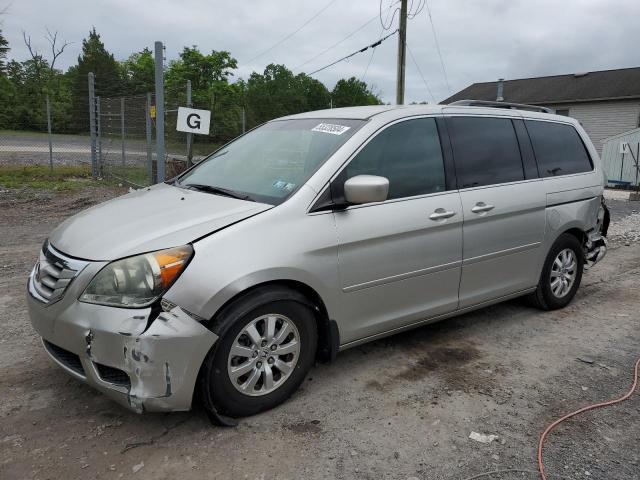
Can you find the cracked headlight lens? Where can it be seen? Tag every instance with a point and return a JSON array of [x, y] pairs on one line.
[[137, 281]]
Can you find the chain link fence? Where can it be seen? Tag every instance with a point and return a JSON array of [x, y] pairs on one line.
[[124, 138], [50, 132], [123, 144]]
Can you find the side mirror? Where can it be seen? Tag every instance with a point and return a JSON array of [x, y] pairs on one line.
[[366, 189]]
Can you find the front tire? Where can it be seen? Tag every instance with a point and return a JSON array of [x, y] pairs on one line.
[[561, 274], [262, 356]]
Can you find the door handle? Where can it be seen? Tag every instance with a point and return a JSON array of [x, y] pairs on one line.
[[441, 213], [482, 207]]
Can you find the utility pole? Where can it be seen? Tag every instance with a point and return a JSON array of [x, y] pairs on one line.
[[402, 53]]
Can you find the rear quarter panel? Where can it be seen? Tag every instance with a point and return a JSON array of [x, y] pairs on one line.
[[572, 201]]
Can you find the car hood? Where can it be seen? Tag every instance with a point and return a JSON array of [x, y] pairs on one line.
[[149, 219]]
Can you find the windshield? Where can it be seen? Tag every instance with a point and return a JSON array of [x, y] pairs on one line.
[[272, 161]]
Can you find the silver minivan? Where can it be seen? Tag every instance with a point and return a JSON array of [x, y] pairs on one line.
[[311, 234]]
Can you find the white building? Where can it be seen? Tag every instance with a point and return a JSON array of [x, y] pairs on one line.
[[620, 155]]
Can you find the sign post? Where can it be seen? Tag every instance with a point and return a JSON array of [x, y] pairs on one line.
[[189, 135], [92, 125], [49, 135], [159, 113]]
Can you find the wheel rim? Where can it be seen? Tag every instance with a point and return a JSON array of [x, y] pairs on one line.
[[264, 354], [563, 273]]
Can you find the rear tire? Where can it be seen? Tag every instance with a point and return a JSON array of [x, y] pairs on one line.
[[265, 350], [561, 274]]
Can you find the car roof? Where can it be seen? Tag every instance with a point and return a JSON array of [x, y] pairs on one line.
[[361, 113], [387, 112]]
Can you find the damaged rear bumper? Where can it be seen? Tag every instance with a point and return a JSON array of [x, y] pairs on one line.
[[596, 249], [111, 349], [596, 244]]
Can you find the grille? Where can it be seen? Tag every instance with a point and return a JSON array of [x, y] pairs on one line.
[[52, 274], [113, 375], [65, 357]]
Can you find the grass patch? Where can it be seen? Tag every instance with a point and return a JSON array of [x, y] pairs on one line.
[[136, 175], [62, 178]]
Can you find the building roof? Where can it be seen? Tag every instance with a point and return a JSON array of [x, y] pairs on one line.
[[618, 84]]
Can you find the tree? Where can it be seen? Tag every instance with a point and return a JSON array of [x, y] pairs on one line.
[[210, 88], [204, 71], [23, 92], [4, 50], [353, 92], [8, 100], [7, 89], [277, 92], [56, 49], [316, 94], [226, 115], [93, 58], [138, 72]]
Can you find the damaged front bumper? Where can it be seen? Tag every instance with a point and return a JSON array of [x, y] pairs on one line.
[[142, 366]]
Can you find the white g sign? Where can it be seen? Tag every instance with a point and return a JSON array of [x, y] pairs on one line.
[[192, 120]]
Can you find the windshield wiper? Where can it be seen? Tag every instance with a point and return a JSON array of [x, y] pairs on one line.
[[216, 191]]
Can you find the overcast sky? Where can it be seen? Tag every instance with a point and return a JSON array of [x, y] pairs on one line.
[[480, 40]]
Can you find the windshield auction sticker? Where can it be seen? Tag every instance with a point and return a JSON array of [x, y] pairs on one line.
[[330, 128]]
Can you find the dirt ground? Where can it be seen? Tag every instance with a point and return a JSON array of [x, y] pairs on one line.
[[398, 408]]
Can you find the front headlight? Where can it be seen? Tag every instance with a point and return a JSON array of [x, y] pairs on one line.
[[137, 281]]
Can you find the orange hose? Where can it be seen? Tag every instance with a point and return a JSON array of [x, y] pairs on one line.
[[583, 409]]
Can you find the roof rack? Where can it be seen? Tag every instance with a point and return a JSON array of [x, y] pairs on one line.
[[513, 106]]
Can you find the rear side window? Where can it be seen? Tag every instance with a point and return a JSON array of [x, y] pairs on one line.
[[558, 148], [485, 151], [408, 154]]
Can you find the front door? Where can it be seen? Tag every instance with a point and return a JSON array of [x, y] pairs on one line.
[[400, 260]]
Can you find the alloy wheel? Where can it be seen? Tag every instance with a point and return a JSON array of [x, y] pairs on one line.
[[264, 354], [563, 273]]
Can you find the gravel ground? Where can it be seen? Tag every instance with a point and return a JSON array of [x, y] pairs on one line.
[[625, 218], [398, 408]]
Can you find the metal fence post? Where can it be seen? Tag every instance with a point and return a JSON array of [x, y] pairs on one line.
[[99, 137], [159, 64], [49, 135], [122, 127], [147, 124], [92, 125], [189, 134]]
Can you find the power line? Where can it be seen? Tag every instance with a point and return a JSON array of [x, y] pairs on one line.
[[284, 39], [426, 84], [364, 49], [373, 52], [435, 37], [336, 44], [383, 23], [345, 38], [411, 15]]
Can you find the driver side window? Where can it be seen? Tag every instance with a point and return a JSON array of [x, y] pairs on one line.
[[408, 154]]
